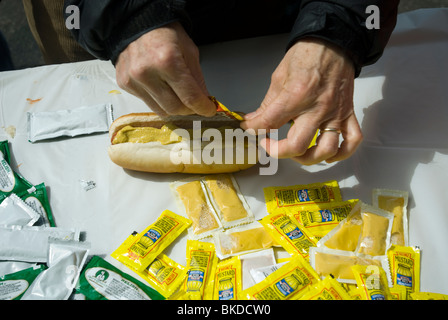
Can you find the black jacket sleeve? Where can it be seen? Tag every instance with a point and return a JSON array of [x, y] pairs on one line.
[[107, 27], [343, 23]]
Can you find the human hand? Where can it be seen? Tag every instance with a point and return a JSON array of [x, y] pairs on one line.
[[162, 69], [312, 86]]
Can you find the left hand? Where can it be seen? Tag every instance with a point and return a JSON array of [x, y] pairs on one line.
[[313, 86]]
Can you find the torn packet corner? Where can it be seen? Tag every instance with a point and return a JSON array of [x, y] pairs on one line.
[[87, 184]]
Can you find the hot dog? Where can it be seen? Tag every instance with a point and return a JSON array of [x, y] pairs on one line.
[[181, 144]]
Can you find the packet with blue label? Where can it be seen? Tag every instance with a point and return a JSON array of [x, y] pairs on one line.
[[284, 199], [140, 249]]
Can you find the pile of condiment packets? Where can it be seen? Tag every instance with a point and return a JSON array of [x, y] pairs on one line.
[[334, 249], [38, 261], [338, 250]]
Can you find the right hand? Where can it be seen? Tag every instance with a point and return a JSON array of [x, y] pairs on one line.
[[162, 69]]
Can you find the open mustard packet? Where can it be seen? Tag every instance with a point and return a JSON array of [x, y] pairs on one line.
[[212, 202], [396, 202], [366, 230], [243, 240]]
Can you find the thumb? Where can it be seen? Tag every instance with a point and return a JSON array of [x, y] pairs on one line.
[[272, 114]]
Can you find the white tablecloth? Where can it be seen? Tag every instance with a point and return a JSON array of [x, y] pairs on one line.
[[401, 103]]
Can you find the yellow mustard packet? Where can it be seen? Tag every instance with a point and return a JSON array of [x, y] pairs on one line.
[[228, 280], [227, 200], [355, 294], [242, 239], [283, 259], [345, 236], [164, 274], [327, 289], [428, 296], [347, 286], [375, 231], [372, 281], [290, 282], [320, 219], [289, 233], [366, 230], [398, 293], [139, 250], [395, 201], [405, 267], [201, 266], [193, 202], [221, 108], [339, 263], [279, 199]]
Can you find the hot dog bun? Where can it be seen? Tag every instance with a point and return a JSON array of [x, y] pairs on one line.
[[157, 157]]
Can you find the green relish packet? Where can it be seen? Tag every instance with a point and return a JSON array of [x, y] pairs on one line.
[[13, 286], [100, 280], [37, 198], [10, 181]]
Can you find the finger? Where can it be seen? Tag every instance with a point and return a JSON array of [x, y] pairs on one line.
[[352, 134], [147, 82], [327, 146], [196, 71], [126, 81], [164, 96], [298, 139], [185, 86], [137, 90], [273, 112]]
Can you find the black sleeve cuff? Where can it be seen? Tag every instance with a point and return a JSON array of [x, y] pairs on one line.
[[108, 27], [335, 24], [155, 15]]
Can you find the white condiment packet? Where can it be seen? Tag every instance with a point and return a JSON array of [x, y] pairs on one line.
[[30, 244], [87, 184], [14, 211], [259, 274], [255, 260], [69, 123], [8, 267], [65, 261]]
